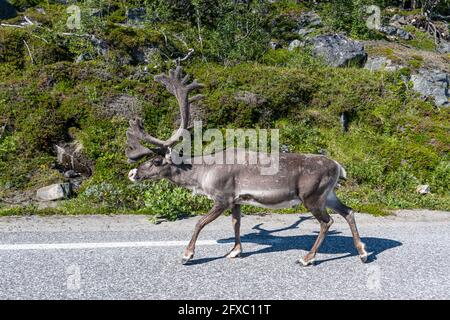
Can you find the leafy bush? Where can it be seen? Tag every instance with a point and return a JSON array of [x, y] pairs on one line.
[[168, 201]]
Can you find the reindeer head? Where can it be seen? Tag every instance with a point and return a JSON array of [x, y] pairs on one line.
[[159, 165]]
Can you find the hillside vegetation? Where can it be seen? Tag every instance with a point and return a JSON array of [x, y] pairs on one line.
[[80, 86]]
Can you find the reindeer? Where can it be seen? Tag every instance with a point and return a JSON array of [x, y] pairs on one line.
[[301, 178]]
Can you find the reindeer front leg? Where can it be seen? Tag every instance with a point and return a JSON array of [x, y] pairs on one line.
[[325, 222], [213, 214], [236, 221]]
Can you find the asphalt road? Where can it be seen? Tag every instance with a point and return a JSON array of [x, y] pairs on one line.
[[127, 257]]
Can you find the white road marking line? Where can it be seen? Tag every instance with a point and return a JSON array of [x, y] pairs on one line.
[[96, 245]]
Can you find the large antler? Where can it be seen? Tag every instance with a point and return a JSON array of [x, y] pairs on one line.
[[176, 85]]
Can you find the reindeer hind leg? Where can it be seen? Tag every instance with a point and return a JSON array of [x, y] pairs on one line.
[[337, 206], [325, 223]]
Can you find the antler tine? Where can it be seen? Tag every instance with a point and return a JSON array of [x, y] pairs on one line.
[[176, 85], [196, 98], [194, 85], [134, 149], [185, 79]]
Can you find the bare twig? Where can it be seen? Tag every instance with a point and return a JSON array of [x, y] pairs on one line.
[[179, 59], [29, 51], [2, 130], [39, 38], [199, 30], [4, 126], [165, 37]]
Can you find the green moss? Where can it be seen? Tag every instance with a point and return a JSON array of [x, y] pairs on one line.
[[13, 46], [415, 62], [384, 51], [422, 40]]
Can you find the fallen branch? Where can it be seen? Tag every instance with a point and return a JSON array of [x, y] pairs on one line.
[[11, 25], [28, 21]]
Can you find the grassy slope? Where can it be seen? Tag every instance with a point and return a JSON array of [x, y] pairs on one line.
[[395, 141]]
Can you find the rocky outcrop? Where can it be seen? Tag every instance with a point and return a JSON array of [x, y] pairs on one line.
[[71, 158], [307, 22], [432, 84], [338, 50], [380, 63]]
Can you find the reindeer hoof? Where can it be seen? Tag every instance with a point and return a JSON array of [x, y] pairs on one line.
[[364, 254], [234, 254], [307, 263], [186, 259], [363, 257]]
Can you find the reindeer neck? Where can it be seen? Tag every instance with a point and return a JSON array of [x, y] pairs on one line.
[[185, 175]]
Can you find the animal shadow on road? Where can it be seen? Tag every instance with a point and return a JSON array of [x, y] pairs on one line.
[[334, 243]]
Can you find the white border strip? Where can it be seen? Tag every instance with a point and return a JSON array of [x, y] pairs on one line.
[[97, 245]]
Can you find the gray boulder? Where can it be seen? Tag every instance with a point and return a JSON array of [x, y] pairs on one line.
[[295, 44], [395, 32], [57, 191], [423, 189], [432, 84], [338, 50], [405, 35], [309, 19], [443, 47]]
